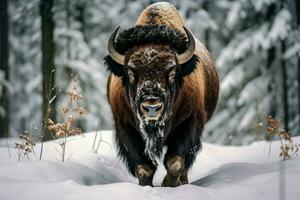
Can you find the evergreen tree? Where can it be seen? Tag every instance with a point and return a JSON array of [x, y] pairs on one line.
[[25, 67], [250, 69], [4, 70]]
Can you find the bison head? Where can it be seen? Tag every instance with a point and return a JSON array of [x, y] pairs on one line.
[[152, 61]]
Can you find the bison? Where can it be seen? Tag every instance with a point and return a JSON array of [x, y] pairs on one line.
[[162, 88]]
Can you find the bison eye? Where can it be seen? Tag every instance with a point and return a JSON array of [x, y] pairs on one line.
[[171, 76], [131, 76]]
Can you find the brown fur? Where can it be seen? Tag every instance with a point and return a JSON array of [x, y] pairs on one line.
[[200, 89], [193, 105]]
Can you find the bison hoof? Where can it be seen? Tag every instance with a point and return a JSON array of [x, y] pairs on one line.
[[145, 175], [171, 181], [184, 178], [176, 174]]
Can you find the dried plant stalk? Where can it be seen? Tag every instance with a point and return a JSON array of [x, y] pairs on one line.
[[71, 112], [288, 148], [26, 146]]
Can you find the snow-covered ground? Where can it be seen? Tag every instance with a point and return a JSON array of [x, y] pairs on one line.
[[220, 172]]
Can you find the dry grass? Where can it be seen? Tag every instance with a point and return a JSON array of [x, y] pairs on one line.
[[72, 111], [288, 147], [26, 146]]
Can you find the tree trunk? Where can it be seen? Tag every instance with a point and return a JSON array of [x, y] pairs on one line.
[[48, 69], [297, 4], [207, 31], [284, 88], [4, 46], [270, 59]]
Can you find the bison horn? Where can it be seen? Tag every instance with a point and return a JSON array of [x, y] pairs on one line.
[[114, 54], [182, 58], [189, 52]]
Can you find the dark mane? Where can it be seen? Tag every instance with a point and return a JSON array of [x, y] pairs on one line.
[[153, 33]]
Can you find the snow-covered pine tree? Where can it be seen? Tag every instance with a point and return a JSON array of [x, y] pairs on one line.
[[75, 54], [250, 67], [25, 70]]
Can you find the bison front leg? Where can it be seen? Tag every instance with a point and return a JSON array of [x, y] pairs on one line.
[[131, 150], [184, 177], [183, 145], [145, 174], [175, 167]]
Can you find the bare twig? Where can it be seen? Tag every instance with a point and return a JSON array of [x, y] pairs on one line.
[[8, 148], [270, 143], [41, 150], [19, 154], [96, 134], [64, 148], [101, 141]]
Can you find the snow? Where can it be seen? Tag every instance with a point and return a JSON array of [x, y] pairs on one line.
[[260, 4], [205, 21], [232, 79], [281, 25], [219, 172], [233, 15], [294, 50]]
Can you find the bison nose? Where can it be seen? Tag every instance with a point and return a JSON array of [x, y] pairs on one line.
[[152, 109]]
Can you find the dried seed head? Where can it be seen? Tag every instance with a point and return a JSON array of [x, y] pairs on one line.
[[60, 133], [50, 122]]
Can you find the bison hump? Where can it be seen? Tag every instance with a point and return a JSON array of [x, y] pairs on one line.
[[161, 13]]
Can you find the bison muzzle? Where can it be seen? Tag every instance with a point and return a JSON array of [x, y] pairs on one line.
[[162, 89]]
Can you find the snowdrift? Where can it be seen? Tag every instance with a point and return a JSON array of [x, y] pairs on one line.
[[220, 172]]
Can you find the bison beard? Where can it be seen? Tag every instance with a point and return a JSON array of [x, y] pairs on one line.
[[153, 136]]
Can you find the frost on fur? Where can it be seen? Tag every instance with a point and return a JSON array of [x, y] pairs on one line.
[[152, 131], [153, 136]]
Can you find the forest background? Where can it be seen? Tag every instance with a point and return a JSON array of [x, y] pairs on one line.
[[255, 45]]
